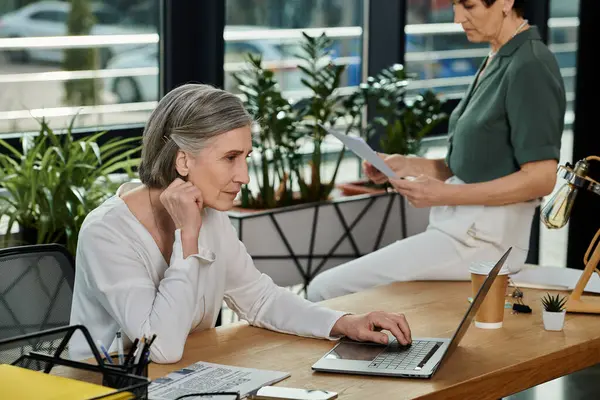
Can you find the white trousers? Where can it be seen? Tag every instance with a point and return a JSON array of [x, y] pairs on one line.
[[455, 237]]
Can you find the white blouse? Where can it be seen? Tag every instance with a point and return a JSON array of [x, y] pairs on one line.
[[123, 282]]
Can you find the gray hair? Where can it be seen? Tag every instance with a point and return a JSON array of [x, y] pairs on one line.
[[186, 118]]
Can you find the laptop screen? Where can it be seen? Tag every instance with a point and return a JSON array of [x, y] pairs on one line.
[[468, 318]]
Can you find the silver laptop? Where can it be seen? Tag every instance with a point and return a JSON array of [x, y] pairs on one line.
[[419, 360]]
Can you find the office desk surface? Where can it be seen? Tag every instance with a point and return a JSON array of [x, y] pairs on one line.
[[487, 364]]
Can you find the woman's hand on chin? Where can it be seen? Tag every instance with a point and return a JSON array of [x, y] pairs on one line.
[[183, 201]]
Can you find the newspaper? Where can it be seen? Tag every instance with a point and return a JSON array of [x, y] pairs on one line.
[[203, 377]]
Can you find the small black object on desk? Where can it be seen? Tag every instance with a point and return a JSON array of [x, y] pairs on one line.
[[521, 308]]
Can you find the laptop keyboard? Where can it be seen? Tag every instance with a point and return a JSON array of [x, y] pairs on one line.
[[413, 357]]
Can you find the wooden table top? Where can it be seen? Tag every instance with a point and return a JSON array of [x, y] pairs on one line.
[[487, 364]]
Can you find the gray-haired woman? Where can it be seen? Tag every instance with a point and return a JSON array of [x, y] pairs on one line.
[[160, 257]]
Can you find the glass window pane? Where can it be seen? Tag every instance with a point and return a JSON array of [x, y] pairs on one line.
[[563, 29], [106, 82], [273, 28], [437, 50]]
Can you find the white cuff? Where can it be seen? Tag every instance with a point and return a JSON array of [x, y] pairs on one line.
[[336, 316], [203, 253]]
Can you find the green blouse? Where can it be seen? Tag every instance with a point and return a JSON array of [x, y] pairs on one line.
[[513, 112]]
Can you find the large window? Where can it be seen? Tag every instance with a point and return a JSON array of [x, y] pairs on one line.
[[273, 28], [97, 59]]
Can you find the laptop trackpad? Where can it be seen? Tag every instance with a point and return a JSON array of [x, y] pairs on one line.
[[356, 351]]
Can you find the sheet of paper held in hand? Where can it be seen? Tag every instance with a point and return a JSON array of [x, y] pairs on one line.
[[359, 147], [207, 377]]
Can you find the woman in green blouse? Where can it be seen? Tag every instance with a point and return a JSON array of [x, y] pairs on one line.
[[504, 145]]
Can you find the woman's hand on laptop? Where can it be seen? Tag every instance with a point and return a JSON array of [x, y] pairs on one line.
[[367, 327]]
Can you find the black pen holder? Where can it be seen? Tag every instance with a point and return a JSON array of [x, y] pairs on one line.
[[126, 376], [42, 351]]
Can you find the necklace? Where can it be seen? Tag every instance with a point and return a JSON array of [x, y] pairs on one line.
[[493, 53]]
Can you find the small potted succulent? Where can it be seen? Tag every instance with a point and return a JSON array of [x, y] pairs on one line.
[[554, 312]]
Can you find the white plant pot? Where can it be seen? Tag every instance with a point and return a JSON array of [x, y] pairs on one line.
[[554, 321]]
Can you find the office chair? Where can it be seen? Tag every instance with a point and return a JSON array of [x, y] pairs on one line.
[[36, 290]]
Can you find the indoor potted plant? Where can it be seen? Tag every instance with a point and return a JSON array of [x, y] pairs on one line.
[[283, 125], [54, 180], [554, 312]]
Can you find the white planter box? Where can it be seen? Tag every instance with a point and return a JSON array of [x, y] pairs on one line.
[[554, 321], [293, 244]]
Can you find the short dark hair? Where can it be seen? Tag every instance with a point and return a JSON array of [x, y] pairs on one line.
[[518, 6]]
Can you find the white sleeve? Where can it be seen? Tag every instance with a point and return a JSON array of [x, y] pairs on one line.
[[116, 274], [257, 299]]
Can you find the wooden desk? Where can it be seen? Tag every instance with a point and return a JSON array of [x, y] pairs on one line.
[[488, 364]]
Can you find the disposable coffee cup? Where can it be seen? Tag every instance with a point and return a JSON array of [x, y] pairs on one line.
[[491, 312]]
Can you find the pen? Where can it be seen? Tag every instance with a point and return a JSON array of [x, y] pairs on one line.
[[147, 344], [145, 355], [103, 349], [120, 347], [142, 364], [151, 341], [138, 352], [131, 351]]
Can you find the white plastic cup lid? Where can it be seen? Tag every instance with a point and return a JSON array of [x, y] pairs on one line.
[[484, 268]]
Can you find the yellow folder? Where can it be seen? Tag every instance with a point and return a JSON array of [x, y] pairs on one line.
[[25, 384]]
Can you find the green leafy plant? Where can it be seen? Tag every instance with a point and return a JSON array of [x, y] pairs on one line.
[[403, 123], [276, 139], [325, 106], [54, 180], [282, 126], [554, 303]]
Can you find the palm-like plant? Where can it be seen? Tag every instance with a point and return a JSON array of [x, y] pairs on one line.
[[325, 106], [281, 126], [54, 181]]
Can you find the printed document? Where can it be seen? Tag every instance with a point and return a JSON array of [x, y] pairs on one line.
[[359, 147], [203, 377]]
